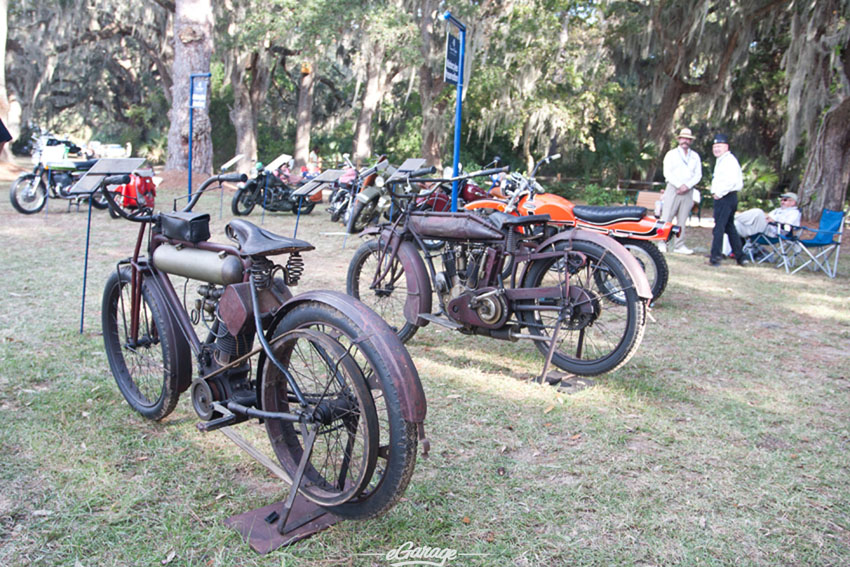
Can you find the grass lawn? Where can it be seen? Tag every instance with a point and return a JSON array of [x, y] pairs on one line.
[[723, 442]]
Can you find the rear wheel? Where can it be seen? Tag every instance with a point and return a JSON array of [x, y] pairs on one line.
[[147, 365], [345, 449], [362, 355], [653, 263], [28, 194], [598, 333], [389, 296], [302, 206]]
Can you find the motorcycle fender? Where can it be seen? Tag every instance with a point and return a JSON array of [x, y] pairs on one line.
[[400, 365], [419, 284], [368, 194], [633, 267], [493, 204]]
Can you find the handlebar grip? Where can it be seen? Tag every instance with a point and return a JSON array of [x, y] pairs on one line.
[[233, 177], [505, 169], [421, 172], [116, 180]]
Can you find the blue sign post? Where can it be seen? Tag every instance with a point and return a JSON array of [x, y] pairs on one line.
[[197, 99], [454, 74]]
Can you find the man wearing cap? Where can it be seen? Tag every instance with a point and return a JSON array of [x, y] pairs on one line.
[[756, 221], [682, 171], [727, 180]]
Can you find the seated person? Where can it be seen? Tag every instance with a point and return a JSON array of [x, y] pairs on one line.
[[755, 221]]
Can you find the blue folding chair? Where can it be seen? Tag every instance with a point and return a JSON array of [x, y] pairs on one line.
[[761, 248], [819, 251]]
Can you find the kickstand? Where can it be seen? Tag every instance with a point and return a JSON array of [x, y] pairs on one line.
[[552, 343], [308, 433]]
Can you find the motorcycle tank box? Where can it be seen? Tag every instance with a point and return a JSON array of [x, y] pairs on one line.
[[203, 265]]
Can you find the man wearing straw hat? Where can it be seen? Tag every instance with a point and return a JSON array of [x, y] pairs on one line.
[[682, 171]]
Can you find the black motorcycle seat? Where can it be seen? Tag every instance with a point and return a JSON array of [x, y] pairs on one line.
[[255, 241], [608, 215], [503, 220], [85, 165]]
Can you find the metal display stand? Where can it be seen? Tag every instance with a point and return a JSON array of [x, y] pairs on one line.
[[311, 188], [86, 186]]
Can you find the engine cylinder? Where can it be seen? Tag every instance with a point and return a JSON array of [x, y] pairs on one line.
[[203, 265]]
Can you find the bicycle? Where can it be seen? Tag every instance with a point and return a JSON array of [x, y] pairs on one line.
[[338, 393], [580, 296]]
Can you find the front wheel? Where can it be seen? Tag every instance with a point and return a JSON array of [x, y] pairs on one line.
[[28, 194], [244, 200], [147, 364], [388, 296], [365, 451], [98, 200], [362, 214], [602, 326]]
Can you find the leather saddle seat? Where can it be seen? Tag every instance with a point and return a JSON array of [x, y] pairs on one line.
[[255, 241], [608, 215]]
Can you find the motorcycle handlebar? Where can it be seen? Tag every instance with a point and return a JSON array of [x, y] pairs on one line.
[[227, 177]]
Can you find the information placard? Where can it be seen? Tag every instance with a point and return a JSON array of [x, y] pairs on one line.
[[452, 68]]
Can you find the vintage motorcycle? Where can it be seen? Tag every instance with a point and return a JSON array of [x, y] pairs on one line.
[[633, 227], [343, 191], [51, 180], [338, 393], [502, 278], [271, 187]]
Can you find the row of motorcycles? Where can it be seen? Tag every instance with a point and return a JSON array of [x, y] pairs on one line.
[[360, 198]]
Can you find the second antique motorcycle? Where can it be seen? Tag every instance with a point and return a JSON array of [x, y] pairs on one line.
[[632, 226], [579, 296], [337, 392], [271, 187]]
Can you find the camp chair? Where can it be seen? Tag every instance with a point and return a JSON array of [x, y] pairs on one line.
[[761, 248], [815, 252]]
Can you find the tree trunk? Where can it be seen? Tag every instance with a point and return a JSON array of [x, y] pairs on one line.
[[430, 85], [372, 95], [659, 131], [828, 171], [193, 43], [6, 154], [249, 76], [304, 117]]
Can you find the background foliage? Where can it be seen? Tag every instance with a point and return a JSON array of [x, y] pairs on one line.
[[604, 82]]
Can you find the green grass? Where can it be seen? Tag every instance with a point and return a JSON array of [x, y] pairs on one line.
[[724, 441]]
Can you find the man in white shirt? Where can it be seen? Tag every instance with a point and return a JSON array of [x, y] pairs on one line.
[[682, 171], [727, 180], [756, 221]]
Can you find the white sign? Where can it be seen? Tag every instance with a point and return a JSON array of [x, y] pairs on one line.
[[199, 92]]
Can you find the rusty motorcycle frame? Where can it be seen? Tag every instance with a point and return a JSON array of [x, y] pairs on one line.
[[338, 393]]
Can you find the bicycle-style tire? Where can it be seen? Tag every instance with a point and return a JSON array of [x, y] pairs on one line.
[[388, 298], [396, 448], [588, 345], [148, 373], [31, 204]]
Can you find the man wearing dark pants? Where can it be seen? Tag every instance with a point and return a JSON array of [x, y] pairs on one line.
[[727, 180]]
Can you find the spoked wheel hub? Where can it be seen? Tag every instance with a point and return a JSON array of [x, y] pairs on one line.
[[584, 308]]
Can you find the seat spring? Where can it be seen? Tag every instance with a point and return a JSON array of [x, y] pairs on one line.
[[294, 268]]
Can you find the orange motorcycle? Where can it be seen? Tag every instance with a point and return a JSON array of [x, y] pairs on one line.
[[632, 226]]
